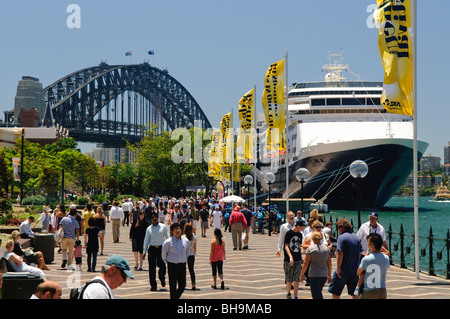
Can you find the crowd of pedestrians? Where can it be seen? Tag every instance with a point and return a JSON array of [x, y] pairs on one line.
[[165, 230], [362, 259]]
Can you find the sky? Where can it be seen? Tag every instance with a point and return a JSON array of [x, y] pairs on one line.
[[218, 50]]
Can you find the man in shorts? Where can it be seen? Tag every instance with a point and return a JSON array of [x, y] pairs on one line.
[[374, 268], [204, 218], [348, 256], [293, 258]]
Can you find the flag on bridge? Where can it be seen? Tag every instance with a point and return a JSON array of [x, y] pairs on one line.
[[129, 53], [151, 52]]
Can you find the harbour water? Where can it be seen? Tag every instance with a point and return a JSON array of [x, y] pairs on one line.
[[399, 211]]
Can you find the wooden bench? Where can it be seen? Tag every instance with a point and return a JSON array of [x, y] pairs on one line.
[[24, 242]]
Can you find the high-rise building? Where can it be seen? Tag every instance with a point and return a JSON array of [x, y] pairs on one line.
[[430, 161], [446, 169], [30, 96], [112, 156], [447, 154]]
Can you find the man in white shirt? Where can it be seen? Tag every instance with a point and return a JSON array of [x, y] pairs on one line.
[[25, 228], [284, 229], [116, 216], [175, 252], [126, 207], [115, 273], [372, 226], [155, 235]]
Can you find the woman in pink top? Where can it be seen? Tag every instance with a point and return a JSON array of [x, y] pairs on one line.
[[217, 258]]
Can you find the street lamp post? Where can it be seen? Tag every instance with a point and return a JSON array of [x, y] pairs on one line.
[[248, 180], [302, 175], [269, 177], [359, 170]]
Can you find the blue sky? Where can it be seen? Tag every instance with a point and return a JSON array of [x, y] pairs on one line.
[[219, 49]]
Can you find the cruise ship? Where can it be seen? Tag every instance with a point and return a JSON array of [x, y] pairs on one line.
[[335, 122]]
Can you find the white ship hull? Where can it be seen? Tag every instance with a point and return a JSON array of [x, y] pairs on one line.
[[328, 149]]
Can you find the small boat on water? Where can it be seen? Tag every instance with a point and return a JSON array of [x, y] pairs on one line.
[[442, 193]]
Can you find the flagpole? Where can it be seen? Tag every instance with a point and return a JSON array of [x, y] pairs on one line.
[[416, 195], [286, 111], [255, 140], [232, 152]]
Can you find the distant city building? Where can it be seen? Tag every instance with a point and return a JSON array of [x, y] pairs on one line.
[[8, 136], [438, 179], [410, 181], [447, 154], [29, 96], [446, 169], [424, 181], [40, 135], [112, 156], [430, 161]]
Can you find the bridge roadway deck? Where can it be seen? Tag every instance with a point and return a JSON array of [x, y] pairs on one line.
[[256, 273]]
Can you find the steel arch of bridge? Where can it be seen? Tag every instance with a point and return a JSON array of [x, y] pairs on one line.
[[105, 104]]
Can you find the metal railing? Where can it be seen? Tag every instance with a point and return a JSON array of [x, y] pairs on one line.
[[434, 252]]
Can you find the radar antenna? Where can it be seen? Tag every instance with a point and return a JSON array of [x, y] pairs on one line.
[[334, 68]]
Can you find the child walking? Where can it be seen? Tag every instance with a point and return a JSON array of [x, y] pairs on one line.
[[77, 254], [217, 258]]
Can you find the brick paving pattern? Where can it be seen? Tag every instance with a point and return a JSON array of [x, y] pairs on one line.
[[256, 273]]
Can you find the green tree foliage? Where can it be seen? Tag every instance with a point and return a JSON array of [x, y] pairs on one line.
[[153, 155], [6, 175], [49, 180], [125, 175], [5, 178], [156, 170], [43, 168]]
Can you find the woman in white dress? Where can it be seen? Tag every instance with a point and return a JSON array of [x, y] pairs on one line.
[[216, 217]]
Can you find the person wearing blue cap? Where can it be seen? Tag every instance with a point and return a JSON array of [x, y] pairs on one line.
[[372, 226], [114, 273]]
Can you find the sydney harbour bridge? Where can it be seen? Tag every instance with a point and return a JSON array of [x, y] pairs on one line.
[[108, 104]]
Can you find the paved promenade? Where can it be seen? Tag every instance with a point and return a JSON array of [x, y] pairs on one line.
[[256, 273]]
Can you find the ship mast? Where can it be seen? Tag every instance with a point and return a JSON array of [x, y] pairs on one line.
[[334, 68]]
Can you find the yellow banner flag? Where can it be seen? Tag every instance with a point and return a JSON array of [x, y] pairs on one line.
[[214, 170], [273, 103], [216, 153], [227, 142], [226, 173], [244, 143], [393, 19]]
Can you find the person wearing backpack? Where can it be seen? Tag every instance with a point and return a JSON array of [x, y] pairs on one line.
[[226, 218], [114, 273]]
